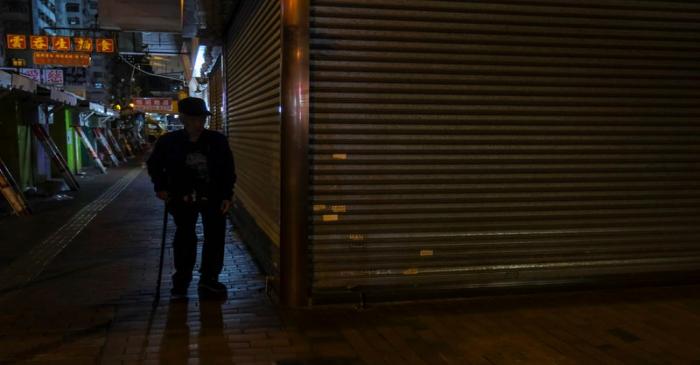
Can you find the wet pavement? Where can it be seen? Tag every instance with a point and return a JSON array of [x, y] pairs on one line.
[[52, 212], [91, 303]]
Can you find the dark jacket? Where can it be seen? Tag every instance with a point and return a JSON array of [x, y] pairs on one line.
[[169, 172]]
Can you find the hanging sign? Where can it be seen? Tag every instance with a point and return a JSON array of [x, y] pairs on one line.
[[32, 73], [39, 42], [60, 43], [67, 59], [16, 41], [82, 44], [156, 105], [105, 45], [52, 77]]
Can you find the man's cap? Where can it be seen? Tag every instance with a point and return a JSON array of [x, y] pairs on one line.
[[193, 106]]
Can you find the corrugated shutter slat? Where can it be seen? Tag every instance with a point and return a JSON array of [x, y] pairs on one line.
[[464, 144], [253, 97]]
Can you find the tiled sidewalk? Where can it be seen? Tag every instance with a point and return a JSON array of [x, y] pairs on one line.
[[93, 305]]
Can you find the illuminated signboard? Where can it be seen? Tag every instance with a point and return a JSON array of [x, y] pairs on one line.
[[82, 44], [32, 73], [156, 105], [16, 41], [62, 59], [53, 77], [39, 42], [60, 43], [105, 45]]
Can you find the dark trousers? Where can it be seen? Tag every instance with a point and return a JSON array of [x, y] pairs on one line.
[[185, 243]]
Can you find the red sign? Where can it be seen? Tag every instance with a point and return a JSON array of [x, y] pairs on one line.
[[39, 42], [60, 43], [155, 105], [105, 45], [62, 59], [16, 41], [82, 44]]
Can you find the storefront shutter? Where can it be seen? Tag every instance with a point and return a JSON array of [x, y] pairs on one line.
[[253, 117], [463, 144]]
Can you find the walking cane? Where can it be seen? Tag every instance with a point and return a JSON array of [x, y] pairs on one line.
[[144, 344], [162, 253]]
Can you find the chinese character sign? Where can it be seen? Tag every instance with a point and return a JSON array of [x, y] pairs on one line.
[[156, 105], [60, 43], [53, 77], [16, 41], [39, 42], [82, 44], [32, 73], [105, 45], [62, 59]]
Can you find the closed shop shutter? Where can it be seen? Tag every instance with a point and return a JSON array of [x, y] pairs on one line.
[[252, 113], [460, 144], [216, 120]]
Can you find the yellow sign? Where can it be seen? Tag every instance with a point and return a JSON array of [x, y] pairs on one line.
[[39, 42], [60, 43], [16, 41], [82, 44], [105, 45], [19, 62]]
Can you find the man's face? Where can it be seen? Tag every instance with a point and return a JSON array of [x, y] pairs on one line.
[[193, 123]]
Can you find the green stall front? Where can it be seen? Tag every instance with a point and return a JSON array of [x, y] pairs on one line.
[[67, 139], [15, 141]]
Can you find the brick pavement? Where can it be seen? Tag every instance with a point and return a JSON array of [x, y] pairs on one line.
[[93, 305]]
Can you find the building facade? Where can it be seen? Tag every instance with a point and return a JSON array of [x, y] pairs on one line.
[[79, 17], [45, 16], [15, 16]]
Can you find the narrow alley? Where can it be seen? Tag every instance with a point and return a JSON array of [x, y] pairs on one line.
[[350, 182]]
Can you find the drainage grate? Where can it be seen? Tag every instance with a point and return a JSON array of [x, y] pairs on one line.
[[24, 269]]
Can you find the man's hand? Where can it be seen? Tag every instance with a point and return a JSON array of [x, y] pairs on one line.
[[162, 195], [225, 206]]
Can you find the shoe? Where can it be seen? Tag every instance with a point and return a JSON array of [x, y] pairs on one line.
[[212, 286]]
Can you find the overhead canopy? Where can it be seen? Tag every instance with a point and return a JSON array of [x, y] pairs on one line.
[[159, 43], [17, 82], [63, 97], [141, 16], [22, 85]]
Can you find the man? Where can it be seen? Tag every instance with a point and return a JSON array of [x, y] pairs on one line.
[[193, 171]]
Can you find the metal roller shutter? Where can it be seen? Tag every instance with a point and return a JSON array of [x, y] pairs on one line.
[[216, 98], [460, 144], [253, 100]]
